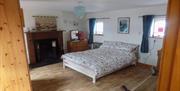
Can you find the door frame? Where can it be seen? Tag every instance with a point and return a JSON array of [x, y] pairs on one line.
[[169, 76]]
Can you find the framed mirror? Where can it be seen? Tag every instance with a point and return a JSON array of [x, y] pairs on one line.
[[74, 34]]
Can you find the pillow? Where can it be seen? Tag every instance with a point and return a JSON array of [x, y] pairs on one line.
[[119, 45]]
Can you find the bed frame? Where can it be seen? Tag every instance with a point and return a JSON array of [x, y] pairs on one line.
[[84, 70], [67, 62]]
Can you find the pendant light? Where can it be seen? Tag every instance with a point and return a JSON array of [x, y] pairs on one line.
[[80, 10]]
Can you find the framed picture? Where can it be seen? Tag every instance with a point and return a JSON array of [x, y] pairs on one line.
[[123, 25], [46, 23]]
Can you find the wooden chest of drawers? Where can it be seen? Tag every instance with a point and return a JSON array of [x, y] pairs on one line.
[[75, 46]]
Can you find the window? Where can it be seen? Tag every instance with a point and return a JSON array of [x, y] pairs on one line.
[[99, 26], [158, 27]]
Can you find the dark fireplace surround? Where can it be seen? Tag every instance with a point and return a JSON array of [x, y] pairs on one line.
[[44, 47]]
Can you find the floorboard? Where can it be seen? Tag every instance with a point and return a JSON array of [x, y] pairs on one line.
[[55, 78]]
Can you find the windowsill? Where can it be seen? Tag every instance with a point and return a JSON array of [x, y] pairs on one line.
[[157, 37], [98, 35]]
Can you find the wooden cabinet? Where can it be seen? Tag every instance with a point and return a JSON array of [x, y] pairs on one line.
[[74, 46]]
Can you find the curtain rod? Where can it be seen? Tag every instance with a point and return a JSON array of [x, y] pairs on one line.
[[103, 18], [155, 15], [46, 16]]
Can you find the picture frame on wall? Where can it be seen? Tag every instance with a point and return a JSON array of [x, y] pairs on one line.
[[123, 25], [46, 23]]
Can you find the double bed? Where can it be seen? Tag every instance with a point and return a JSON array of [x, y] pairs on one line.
[[96, 63]]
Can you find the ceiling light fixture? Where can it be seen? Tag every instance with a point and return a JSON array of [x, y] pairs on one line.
[[80, 10]]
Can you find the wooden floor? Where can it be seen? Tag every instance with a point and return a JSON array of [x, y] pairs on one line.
[[148, 85], [55, 78]]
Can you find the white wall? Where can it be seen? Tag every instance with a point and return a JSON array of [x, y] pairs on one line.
[[136, 29]]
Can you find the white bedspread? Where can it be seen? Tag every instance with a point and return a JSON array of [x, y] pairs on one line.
[[103, 60]]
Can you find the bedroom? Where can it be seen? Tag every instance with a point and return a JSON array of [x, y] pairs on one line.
[[107, 15], [80, 45]]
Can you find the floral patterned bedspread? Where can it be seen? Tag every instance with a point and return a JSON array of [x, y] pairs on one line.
[[103, 60]]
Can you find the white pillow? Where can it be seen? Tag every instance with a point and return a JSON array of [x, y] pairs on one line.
[[119, 45]]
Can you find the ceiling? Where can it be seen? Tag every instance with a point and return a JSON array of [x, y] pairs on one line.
[[91, 5]]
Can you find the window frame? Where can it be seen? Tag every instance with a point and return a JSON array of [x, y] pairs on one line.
[[153, 27], [95, 33]]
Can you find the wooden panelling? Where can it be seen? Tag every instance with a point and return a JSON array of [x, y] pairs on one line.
[[175, 78], [2, 2], [14, 74], [169, 78], [22, 17]]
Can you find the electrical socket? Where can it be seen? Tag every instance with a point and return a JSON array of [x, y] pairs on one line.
[[154, 40]]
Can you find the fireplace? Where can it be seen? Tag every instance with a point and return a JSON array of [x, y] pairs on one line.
[[44, 47], [46, 51]]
